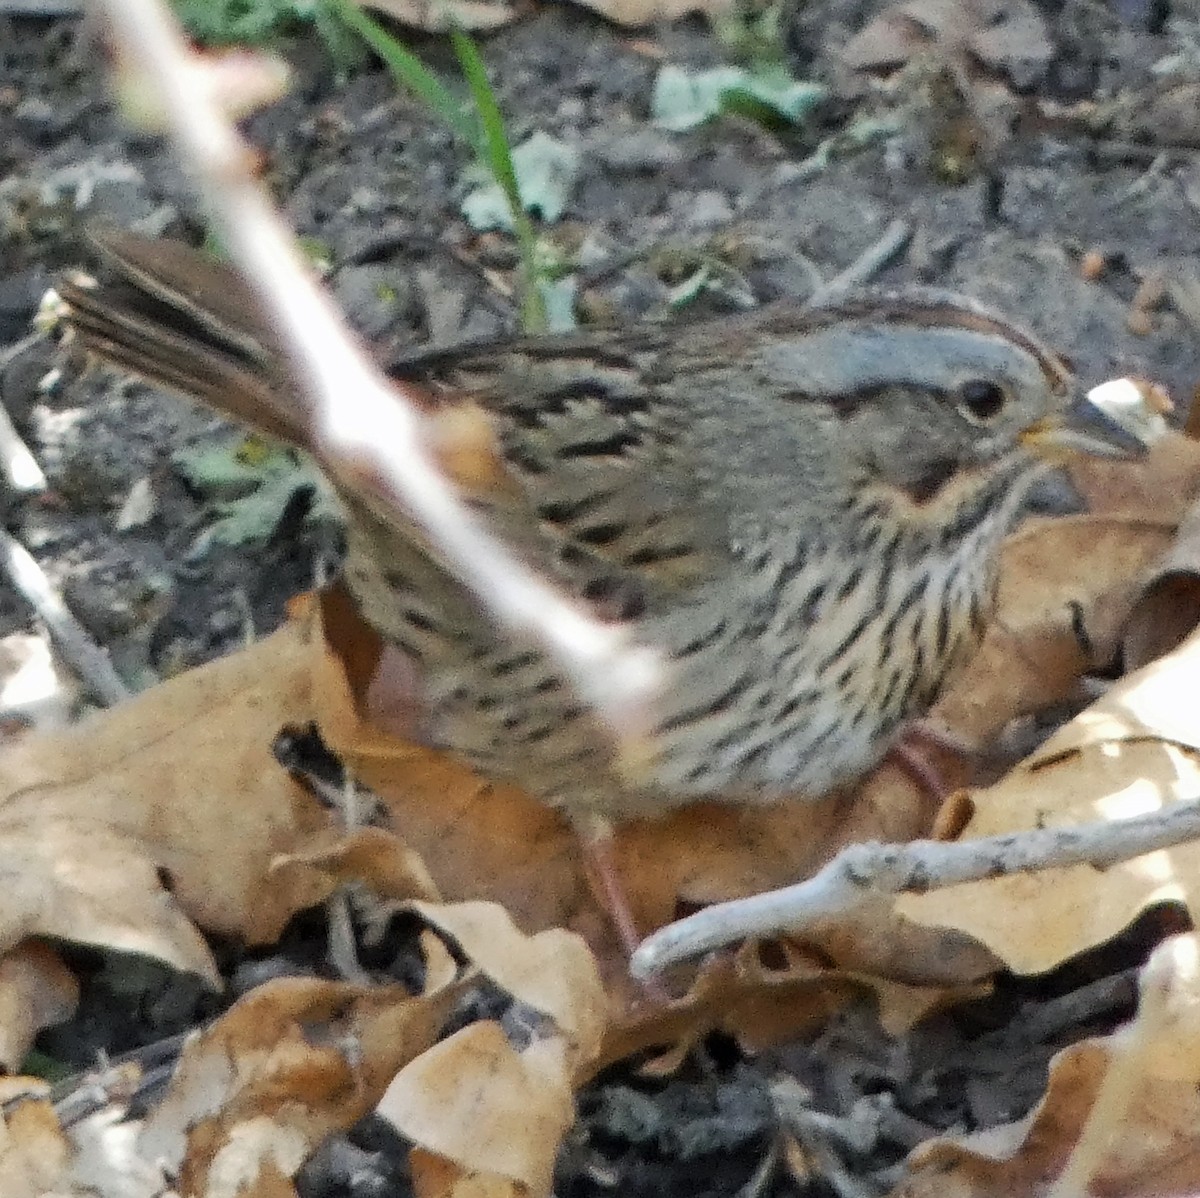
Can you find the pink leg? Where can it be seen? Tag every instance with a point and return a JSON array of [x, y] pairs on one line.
[[912, 755], [924, 775], [604, 880]]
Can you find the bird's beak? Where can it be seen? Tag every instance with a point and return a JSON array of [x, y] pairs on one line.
[[1114, 420]]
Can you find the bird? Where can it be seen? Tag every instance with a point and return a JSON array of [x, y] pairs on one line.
[[800, 506]]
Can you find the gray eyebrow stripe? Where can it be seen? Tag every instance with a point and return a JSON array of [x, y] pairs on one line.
[[839, 359]]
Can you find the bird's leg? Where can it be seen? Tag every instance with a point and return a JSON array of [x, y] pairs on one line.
[[913, 754], [935, 736], [914, 763], [604, 879]]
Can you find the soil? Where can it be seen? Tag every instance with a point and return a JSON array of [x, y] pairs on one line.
[[1096, 152]]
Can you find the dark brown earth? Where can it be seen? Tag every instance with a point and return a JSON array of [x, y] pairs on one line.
[[373, 177]]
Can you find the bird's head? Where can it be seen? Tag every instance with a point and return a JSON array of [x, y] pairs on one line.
[[927, 393]]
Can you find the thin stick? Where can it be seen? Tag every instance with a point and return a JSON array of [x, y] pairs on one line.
[[367, 429], [865, 871], [868, 264], [18, 467], [83, 655]]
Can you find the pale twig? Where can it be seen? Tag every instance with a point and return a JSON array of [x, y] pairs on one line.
[[19, 469], [83, 655], [343, 944], [862, 872], [366, 429], [868, 264]]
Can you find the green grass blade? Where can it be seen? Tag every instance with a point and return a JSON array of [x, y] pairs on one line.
[[496, 152], [496, 155], [409, 71], [482, 130]]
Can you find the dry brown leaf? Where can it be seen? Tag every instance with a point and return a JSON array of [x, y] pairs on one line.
[[36, 990], [370, 855], [492, 1112], [765, 995], [1135, 751], [552, 971], [34, 1153], [178, 782], [1007, 35], [1149, 1142], [294, 1060], [1061, 578], [1168, 602], [12, 1088], [440, 16], [435, 1177], [76, 878]]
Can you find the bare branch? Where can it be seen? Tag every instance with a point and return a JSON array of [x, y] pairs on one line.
[[84, 656], [365, 427], [19, 470], [865, 871]]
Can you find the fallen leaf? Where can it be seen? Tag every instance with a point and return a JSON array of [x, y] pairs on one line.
[[370, 855], [1148, 1141], [444, 15], [1167, 607], [1007, 35], [34, 1153], [1068, 587], [78, 879], [179, 782], [683, 99], [488, 1109], [249, 486], [545, 167], [297, 1058], [1135, 751], [551, 971], [36, 991]]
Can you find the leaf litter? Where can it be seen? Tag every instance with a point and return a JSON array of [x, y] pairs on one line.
[[151, 787], [210, 832]]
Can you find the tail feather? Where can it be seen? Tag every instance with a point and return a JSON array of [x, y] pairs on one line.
[[159, 327]]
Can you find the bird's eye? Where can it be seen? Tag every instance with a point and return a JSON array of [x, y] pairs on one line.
[[981, 399]]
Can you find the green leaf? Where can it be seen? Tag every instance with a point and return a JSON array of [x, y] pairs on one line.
[[687, 291], [545, 171], [684, 99], [220, 22], [558, 298], [494, 150], [248, 485]]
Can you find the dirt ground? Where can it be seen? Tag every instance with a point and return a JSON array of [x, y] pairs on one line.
[[374, 178]]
